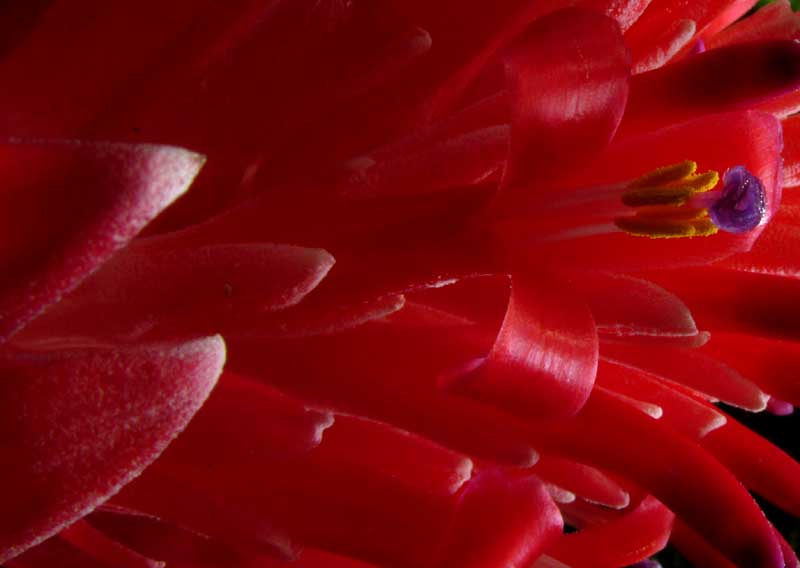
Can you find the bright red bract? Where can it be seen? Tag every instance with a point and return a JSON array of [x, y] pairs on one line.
[[349, 283]]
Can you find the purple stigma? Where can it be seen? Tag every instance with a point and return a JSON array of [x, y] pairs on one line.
[[743, 202]]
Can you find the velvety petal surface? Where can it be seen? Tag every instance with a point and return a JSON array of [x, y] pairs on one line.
[[66, 207], [78, 425]]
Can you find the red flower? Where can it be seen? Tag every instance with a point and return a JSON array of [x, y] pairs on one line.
[[558, 241]]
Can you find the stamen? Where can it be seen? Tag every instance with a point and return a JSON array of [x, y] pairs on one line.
[[666, 174], [664, 203], [674, 201]]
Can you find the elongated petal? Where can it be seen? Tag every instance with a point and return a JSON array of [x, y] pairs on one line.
[[98, 553], [629, 308], [770, 363], [776, 20], [157, 538], [81, 424], [696, 549], [155, 290], [692, 369], [682, 410], [720, 80], [709, 16], [586, 482], [610, 435], [388, 373], [639, 533], [739, 302], [121, 187], [375, 503], [532, 370]]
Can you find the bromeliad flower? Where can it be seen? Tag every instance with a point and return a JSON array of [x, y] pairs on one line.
[[558, 240]]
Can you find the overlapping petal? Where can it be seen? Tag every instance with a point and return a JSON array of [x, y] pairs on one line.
[[79, 424]]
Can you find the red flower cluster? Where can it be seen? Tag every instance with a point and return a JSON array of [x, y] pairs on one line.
[[482, 270]]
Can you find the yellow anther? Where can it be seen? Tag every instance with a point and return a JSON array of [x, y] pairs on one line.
[[666, 228], [661, 200], [700, 183], [665, 175]]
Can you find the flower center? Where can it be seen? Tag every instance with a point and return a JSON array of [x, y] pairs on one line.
[[675, 201]]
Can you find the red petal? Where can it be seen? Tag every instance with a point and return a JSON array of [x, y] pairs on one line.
[[665, 46], [156, 290], [95, 544], [149, 535], [81, 424], [696, 549], [568, 83], [455, 162], [682, 410], [501, 521], [586, 482], [56, 551], [776, 20], [545, 357], [695, 370], [769, 363], [733, 301], [708, 15], [388, 372], [375, 502], [629, 308], [50, 240], [791, 150], [639, 533], [720, 80]]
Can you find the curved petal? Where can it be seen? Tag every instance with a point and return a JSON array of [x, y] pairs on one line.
[[158, 291], [770, 363], [81, 424], [586, 482], [49, 240], [639, 533], [568, 85], [545, 357], [627, 308], [682, 410], [695, 370]]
